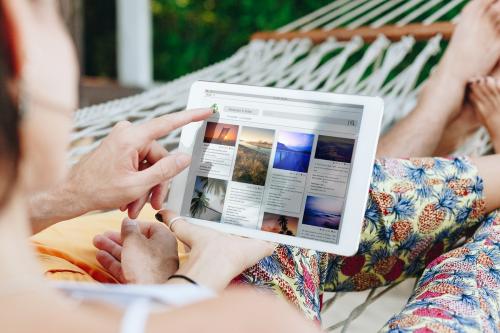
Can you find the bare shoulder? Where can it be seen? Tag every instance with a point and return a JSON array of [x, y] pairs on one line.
[[237, 310]]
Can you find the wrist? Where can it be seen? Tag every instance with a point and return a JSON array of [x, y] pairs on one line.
[[58, 204], [183, 278], [205, 273], [75, 203]]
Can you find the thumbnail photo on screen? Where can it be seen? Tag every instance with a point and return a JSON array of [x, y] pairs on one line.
[[293, 151], [253, 155], [207, 201]]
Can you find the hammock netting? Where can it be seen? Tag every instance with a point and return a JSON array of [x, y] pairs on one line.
[[393, 70]]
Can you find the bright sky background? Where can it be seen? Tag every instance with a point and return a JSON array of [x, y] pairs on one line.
[[252, 134], [292, 139], [326, 205]]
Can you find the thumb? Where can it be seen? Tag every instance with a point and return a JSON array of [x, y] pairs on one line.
[[130, 229], [183, 230], [165, 169]]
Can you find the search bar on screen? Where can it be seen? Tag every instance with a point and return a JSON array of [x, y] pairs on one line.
[[312, 118]]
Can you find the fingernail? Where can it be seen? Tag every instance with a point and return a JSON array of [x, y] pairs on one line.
[[182, 160], [159, 217], [130, 222]]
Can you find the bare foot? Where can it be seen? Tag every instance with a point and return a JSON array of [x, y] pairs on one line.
[[474, 48], [458, 130], [473, 51], [485, 98]]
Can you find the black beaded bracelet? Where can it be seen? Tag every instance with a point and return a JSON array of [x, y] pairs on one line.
[[183, 277]]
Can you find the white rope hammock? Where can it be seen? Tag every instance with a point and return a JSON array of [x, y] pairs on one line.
[[299, 64]]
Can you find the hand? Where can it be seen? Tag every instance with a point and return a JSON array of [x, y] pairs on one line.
[[130, 168], [216, 258], [144, 253]]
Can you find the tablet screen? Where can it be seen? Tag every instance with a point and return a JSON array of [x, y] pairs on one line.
[[273, 163]]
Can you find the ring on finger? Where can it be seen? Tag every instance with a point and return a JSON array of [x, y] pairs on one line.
[[171, 222]]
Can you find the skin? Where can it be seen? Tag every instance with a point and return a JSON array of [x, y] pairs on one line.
[[238, 254], [42, 166], [129, 185], [438, 128], [473, 51], [471, 117], [49, 64], [441, 126], [485, 99]]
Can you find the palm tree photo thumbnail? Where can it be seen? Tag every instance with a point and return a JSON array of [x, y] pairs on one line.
[[207, 201], [280, 224]]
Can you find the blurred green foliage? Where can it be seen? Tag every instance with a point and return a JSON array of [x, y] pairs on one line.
[[188, 34], [191, 34]]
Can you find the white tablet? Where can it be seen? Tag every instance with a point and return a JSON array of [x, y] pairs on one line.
[[286, 166]]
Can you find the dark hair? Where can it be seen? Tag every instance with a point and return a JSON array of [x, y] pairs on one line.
[[9, 115]]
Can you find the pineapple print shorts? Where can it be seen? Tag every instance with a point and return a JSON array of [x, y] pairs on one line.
[[424, 218]]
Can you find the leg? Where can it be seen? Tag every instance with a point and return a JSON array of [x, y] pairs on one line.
[[458, 131], [481, 108], [291, 273], [460, 290], [485, 97], [474, 50], [417, 209], [488, 170], [410, 220]]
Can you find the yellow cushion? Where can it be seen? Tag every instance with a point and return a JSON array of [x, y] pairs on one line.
[[66, 252]]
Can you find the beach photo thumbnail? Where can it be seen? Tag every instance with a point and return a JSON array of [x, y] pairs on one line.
[[221, 134], [253, 155], [293, 151], [207, 200], [280, 224], [323, 212], [334, 149]]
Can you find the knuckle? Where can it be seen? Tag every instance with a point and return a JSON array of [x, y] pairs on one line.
[[123, 124], [165, 172]]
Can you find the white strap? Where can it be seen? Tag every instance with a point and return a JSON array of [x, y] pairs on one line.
[[136, 316]]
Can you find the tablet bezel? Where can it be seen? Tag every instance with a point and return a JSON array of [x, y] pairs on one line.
[[359, 182]]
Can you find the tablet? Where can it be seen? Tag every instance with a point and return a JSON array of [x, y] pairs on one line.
[[281, 165]]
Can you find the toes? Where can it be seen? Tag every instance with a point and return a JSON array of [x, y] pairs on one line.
[[492, 91], [478, 95], [485, 97], [496, 86], [477, 89], [482, 87], [490, 86], [496, 71]]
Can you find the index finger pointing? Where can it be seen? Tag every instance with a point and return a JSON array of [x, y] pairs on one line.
[[161, 126]]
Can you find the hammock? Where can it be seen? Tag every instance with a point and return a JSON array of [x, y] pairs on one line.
[[383, 48]]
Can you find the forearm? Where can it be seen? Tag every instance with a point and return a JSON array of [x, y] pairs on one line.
[[58, 204], [420, 132]]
